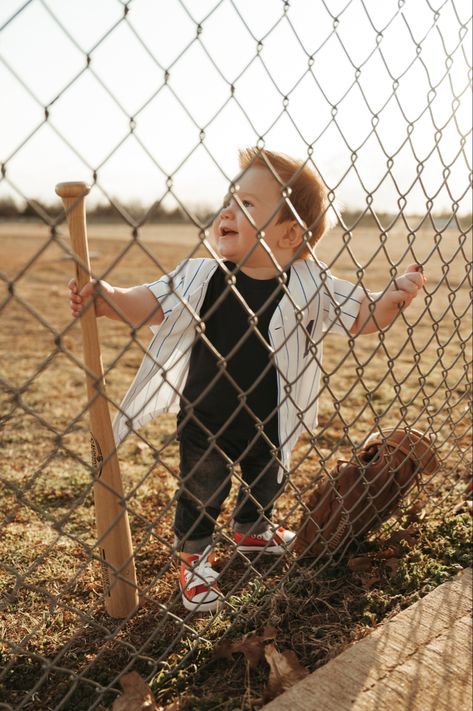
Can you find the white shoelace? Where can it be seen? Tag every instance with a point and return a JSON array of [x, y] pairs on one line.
[[267, 535], [201, 572]]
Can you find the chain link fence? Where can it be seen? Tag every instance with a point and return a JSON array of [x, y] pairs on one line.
[[60, 650]]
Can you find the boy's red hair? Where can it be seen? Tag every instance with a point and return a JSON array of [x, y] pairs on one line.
[[307, 196]]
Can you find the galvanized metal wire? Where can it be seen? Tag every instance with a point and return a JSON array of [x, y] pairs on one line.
[[169, 638]]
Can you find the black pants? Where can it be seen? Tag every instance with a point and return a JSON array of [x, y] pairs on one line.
[[206, 479]]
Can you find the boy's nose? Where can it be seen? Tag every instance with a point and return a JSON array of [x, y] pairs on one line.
[[227, 210]]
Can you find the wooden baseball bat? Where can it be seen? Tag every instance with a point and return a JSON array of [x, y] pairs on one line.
[[113, 528]]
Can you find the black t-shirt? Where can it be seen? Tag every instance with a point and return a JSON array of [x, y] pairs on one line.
[[248, 360]]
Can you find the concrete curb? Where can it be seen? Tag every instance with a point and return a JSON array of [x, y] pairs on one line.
[[418, 661]]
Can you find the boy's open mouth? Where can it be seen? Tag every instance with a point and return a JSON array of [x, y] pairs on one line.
[[225, 231]]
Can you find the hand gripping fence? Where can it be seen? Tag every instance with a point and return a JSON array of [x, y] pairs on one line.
[[393, 406]]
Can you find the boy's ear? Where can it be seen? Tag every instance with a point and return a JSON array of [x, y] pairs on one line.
[[293, 235]]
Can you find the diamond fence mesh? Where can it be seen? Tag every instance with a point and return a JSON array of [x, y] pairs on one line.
[[60, 650]]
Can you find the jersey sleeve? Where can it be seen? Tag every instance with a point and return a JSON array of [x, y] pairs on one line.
[[168, 290], [342, 304]]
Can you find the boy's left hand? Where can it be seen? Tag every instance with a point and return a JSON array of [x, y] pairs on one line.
[[399, 295], [406, 287]]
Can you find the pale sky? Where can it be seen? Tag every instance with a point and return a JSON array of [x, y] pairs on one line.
[[363, 84]]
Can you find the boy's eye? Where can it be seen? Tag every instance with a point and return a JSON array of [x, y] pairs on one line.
[[247, 203]]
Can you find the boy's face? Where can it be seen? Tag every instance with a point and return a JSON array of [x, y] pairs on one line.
[[235, 236]]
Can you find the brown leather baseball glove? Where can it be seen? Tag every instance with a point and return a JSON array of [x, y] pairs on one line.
[[357, 496]]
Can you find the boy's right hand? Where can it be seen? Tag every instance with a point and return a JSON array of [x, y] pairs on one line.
[[78, 300]]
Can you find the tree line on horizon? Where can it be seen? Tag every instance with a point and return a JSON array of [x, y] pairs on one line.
[[116, 212]]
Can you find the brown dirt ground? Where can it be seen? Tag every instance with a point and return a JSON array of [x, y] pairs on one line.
[[416, 373]]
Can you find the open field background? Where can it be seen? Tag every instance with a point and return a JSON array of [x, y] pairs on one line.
[[418, 373]]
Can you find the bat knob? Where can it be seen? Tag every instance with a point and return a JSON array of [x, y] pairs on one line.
[[74, 189]]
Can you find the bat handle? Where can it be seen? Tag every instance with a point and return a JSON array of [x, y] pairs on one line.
[[73, 196]]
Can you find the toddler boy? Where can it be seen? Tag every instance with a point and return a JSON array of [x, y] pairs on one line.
[[237, 352]]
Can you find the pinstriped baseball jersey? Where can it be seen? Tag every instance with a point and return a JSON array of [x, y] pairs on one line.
[[314, 303]]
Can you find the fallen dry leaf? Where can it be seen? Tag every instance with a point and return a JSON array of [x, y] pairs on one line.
[[416, 511], [223, 650], [137, 695], [385, 554], [252, 646], [408, 535], [370, 581], [285, 671], [360, 564], [392, 564]]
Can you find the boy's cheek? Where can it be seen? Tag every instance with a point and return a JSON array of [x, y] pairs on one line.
[[215, 234]]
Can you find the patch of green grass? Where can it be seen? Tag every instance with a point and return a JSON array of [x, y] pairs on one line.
[[443, 549]]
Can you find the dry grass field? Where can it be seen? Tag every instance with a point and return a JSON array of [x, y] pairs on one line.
[[58, 648]]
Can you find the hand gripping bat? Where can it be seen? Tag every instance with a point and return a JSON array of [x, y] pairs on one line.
[[113, 529]]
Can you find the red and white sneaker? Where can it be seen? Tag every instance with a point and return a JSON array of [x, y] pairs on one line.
[[273, 541], [198, 582]]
